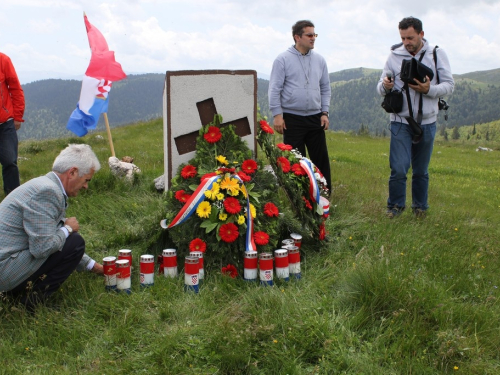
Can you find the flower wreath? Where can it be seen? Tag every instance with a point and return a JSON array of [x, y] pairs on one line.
[[226, 200]]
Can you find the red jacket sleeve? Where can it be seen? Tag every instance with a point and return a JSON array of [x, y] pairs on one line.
[[15, 91]]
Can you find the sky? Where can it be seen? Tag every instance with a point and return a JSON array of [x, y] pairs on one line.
[[47, 38]]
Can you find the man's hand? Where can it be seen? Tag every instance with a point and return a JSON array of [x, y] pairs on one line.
[[73, 223], [388, 85], [97, 269], [17, 125], [279, 123], [422, 87], [325, 122]]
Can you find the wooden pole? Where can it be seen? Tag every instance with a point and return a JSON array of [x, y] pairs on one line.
[[109, 134]]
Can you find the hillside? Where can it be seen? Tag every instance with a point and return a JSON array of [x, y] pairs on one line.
[[354, 105]]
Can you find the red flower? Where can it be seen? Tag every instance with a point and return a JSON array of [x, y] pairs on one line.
[[261, 238], [244, 177], [197, 245], [284, 164], [232, 206], [213, 135], [284, 147], [249, 166], [189, 171], [298, 170], [224, 170], [181, 196], [230, 270], [322, 231], [228, 232], [265, 127], [271, 210], [308, 204]]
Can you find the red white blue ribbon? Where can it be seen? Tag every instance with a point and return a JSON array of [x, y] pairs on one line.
[[313, 186], [192, 203], [249, 241]]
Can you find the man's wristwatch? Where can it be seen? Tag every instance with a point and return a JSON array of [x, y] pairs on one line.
[[70, 230], [324, 114]]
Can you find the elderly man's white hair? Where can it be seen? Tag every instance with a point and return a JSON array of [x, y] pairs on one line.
[[80, 156]]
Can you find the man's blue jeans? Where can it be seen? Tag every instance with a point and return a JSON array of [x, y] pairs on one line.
[[403, 154], [8, 156]]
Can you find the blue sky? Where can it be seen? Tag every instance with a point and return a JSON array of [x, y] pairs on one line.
[[47, 38]]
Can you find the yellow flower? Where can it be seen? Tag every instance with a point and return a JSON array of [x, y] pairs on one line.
[[222, 159], [222, 216], [241, 219], [455, 368], [220, 196], [275, 341], [203, 210], [212, 193], [253, 210], [231, 185]]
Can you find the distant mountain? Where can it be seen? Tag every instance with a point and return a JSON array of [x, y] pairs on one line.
[[354, 105]]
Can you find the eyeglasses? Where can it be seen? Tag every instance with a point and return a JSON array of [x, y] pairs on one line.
[[310, 36]]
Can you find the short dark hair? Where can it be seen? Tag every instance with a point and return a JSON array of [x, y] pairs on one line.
[[411, 22], [298, 28]]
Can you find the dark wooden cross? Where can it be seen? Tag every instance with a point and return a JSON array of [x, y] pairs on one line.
[[187, 142]]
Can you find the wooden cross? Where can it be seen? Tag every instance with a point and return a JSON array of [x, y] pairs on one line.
[[206, 109]]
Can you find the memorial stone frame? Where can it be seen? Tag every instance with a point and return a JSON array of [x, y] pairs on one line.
[[191, 98]]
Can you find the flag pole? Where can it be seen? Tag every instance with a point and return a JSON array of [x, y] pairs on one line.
[[109, 134]]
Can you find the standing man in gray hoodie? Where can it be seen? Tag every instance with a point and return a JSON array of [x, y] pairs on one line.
[[299, 97], [405, 150]]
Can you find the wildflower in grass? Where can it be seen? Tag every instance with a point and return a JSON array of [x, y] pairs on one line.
[[261, 238], [222, 159], [197, 245], [203, 210], [230, 270], [249, 166], [265, 127], [232, 205], [322, 231], [228, 232], [455, 368], [275, 341], [213, 135], [189, 171]]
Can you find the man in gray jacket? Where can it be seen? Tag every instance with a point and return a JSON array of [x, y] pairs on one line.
[[405, 149], [39, 246], [299, 97]]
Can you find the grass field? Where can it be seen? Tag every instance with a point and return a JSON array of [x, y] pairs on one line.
[[401, 296]]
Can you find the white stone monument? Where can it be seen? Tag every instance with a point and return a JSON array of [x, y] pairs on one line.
[[191, 98]]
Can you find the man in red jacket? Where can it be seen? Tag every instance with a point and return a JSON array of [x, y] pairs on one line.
[[11, 117]]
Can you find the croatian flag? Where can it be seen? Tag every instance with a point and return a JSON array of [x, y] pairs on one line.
[[102, 71]]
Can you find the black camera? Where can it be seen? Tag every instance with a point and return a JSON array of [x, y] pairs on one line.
[[443, 106], [414, 69]]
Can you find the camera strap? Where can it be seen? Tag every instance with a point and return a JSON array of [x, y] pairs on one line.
[[408, 99]]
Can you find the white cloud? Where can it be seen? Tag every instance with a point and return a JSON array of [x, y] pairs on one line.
[[160, 35]]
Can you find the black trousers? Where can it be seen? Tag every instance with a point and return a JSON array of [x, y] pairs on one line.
[[52, 273], [306, 132]]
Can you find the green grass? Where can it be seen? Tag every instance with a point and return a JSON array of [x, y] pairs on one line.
[[402, 296]]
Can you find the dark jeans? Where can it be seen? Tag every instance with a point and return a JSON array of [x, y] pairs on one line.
[[8, 156], [403, 154], [306, 131], [52, 273]]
